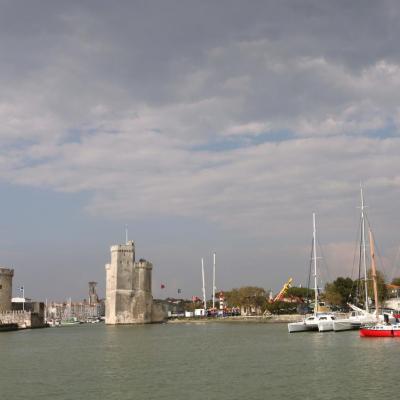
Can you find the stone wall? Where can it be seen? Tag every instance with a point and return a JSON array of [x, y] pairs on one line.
[[24, 319]]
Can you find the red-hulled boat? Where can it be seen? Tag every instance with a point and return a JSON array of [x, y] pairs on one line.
[[381, 330]]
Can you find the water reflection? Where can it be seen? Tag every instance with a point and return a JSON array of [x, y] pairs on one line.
[[207, 361]]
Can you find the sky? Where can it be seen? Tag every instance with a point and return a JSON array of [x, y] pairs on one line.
[[205, 126]]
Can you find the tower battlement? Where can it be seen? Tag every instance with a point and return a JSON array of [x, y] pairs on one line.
[[143, 264], [6, 271], [127, 247]]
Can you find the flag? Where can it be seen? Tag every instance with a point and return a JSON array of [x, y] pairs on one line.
[[162, 286]]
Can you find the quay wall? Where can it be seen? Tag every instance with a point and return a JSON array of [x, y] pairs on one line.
[[24, 319]]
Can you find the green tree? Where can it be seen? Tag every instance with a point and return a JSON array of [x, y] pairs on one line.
[[340, 291], [396, 281], [332, 295], [281, 307], [246, 296], [382, 289], [302, 293]]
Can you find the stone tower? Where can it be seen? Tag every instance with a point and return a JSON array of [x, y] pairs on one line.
[[128, 288], [6, 276]]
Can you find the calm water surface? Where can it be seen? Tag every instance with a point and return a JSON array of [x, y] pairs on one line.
[[195, 361]]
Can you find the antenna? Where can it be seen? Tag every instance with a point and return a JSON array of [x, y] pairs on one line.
[[126, 233]]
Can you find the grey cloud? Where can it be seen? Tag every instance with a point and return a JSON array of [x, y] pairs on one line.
[[99, 96]]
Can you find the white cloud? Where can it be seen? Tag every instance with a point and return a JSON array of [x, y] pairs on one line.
[[150, 117]]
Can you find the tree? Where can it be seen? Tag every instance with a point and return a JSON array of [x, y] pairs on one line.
[[396, 281], [281, 307], [246, 296], [300, 292], [382, 289], [332, 295], [340, 291]]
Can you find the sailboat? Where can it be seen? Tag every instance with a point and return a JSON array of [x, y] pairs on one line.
[[67, 318], [321, 321], [359, 316], [380, 329]]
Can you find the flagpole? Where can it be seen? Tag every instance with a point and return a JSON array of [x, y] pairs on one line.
[[23, 298]]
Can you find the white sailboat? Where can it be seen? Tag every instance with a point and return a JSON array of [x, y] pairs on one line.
[[319, 320], [359, 316]]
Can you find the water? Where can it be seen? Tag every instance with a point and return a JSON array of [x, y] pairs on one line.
[[195, 361]]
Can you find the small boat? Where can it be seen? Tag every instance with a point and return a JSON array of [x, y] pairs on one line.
[[381, 330], [319, 321], [385, 329], [70, 322]]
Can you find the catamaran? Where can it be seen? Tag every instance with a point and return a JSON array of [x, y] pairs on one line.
[[319, 321]]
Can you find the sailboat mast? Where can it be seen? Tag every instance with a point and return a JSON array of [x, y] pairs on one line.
[[315, 266], [364, 258], [374, 275], [213, 291], [204, 288]]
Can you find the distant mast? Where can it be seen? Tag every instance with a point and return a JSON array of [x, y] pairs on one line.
[[373, 273], [204, 288], [315, 266], [213, 292], [364, 257]]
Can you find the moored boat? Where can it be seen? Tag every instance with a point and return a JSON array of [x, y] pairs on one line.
[[319, 321], [380, 330]]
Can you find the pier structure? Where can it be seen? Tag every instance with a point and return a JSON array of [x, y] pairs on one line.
[[6, 277], [129, 298]]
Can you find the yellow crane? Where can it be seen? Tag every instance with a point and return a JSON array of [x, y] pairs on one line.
[[283, 291]]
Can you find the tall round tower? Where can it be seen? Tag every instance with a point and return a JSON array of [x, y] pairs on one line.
[[142, 280], [6, 276]]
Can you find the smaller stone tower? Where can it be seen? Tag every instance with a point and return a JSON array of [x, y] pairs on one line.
[[143, 299], [6, 276]]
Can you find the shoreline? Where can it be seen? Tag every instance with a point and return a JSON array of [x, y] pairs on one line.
[[275, 319]]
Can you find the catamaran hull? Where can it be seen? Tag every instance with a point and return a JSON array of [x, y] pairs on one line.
[[345, 325], [301, 327], [325, 326]]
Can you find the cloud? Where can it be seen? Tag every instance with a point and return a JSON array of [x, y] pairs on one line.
[[246, 116]]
